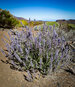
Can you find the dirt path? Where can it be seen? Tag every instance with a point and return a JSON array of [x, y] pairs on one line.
[[13, 78]]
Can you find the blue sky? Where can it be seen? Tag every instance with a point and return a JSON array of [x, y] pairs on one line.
[[40, 9]]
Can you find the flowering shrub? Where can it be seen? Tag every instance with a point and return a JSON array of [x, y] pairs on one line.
[[46, 52]]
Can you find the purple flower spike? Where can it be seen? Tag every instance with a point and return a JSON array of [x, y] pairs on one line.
[[24, 64], [62, 46], [40, 62], [54, 33], [31, 63], [54, 26], [8, 47], [50, 27], [43, 42], [35, 40], [59, 40], [17, 57], [9, 34], [49, 44], [13, 63], [29, 74], [6, 38], [22, 24], [39, 45], [47, 56], [3, 40], [27, 51], [40, 51], [26, 57], [3, 51], [36, 65], [19, 48], [35, 27], [51, 61], [63, 39], [56, 53]]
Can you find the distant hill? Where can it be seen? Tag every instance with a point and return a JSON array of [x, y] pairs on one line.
[[70, 21], [20, 18], [31, 23]]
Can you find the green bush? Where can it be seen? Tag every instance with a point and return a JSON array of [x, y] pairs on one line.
[[7, 20]]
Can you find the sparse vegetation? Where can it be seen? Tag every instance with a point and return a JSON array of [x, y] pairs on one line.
[[52, 23]]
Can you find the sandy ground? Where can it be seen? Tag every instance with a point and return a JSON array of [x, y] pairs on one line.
[[14, 78]]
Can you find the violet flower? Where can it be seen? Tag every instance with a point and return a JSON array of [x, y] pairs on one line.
[[17, 57], [31, 63], [3, 52], [40, 62]]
